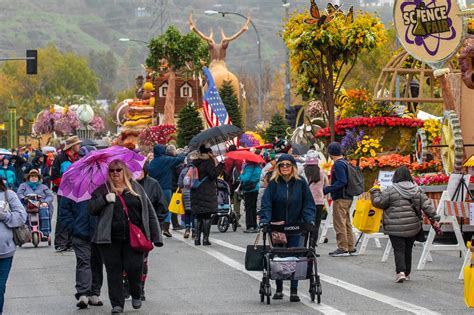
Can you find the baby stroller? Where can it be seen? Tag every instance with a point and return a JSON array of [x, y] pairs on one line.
[[297, 263], [225, 215]]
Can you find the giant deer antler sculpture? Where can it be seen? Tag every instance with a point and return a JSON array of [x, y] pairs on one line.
[[217, 52]]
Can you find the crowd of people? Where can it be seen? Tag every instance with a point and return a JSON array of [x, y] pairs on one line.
[[287, 188]]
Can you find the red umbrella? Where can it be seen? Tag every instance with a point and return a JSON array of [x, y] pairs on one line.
[[245, 156]]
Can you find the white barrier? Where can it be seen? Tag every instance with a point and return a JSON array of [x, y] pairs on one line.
[[449, 219], [388, 249], [367, 237], [328, 223]]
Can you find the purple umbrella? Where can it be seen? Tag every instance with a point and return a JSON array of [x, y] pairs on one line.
[[83, 177]]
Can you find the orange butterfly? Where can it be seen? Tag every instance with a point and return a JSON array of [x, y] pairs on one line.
[[332, 10]]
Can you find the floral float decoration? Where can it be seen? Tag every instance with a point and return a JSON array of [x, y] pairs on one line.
[[56, 119], [251, 139], [161, 134]]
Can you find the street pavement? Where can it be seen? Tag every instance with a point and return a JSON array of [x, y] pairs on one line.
[[184, 279]]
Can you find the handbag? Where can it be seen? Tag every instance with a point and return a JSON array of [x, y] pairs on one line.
[[22, 233], [176, 204], [138, 240], [254, 256], [278, 238]]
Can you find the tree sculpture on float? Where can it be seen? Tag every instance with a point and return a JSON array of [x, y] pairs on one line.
[[217, 51]]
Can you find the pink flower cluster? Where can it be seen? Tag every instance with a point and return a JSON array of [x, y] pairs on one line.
[[98, 124], [431, 179], [161, 134]]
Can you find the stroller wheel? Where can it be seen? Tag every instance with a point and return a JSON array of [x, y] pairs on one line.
[[223, 224]]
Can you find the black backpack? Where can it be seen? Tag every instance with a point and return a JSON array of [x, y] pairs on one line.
[[355, 180]]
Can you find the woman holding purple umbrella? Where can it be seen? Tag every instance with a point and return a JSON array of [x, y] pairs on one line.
[[111, 202]]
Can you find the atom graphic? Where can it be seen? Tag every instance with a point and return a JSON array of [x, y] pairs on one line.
[[430, 46]]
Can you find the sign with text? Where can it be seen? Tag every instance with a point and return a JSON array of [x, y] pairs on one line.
[[431, 31], [385, 178]]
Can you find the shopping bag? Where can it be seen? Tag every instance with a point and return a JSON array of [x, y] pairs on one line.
[[367, 218], [254, 256], [176, 204], [469, 283]]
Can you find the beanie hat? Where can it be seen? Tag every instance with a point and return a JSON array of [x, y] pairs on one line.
[[287, 157], [312, 158], [335, 149]]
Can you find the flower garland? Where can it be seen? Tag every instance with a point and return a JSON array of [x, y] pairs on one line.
[[432, 128], [431, 179], [370, 122], [161, 134]]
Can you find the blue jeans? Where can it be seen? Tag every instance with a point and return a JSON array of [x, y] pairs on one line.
[[168, 194], [189, 219], [292, 241], [5, 266]]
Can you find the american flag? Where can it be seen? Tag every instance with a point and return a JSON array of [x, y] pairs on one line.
[[214, 108]]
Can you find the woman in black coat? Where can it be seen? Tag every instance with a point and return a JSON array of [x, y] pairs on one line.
[[204, 197]]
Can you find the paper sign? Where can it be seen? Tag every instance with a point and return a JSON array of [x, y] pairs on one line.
[[385, 178], [457, 191], [471, 214]]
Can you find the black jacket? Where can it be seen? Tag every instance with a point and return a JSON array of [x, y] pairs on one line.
[[204, 198], [75, 217], [155, 194], [98, 206]]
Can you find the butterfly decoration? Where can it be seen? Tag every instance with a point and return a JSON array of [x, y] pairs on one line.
[[331, 10]]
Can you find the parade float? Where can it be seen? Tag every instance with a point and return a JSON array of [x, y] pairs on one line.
[[58, 122]]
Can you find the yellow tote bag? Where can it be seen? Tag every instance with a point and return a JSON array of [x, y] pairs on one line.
[[469, 283], [176, 204], [367, 218]]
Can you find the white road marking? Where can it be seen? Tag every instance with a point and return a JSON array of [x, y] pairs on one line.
[[323, 308], [412, 308]]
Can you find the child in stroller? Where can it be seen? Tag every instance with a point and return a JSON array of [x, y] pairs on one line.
[[225, 215]]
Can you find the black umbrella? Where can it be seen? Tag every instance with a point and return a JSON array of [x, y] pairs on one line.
[[299, 149], [88, 143], [214, 135]]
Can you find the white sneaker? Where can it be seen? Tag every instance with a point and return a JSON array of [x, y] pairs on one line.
[[95, 300], [82, 302], [400, 277]]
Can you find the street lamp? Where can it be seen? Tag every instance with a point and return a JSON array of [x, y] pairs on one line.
[[124, 39], [260, 81]]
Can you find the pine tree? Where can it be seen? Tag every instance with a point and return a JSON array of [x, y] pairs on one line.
[[229, 98], [189, 124], [277, 128]]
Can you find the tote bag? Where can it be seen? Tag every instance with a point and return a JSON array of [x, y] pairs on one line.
[[367, 218], [254, 256], [176, 204]]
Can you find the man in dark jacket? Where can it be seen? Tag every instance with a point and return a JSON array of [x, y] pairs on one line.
[[161, 168], [74, 216], [341, 203], [69, 155], [157, 198]]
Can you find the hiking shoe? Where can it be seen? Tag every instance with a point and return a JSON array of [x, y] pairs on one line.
[[82, 302], [249, 230], [95, 300], [186, 233], [400, 277], [136, 303], [353, 252], [278, 296], [339, 253], [167, 234], [117, 310], [294, 297], [127, 297], [60, 249]]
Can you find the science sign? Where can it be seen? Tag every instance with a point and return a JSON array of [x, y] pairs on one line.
[[430, 30]]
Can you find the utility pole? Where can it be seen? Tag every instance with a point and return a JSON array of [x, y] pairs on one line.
[[286, 5]]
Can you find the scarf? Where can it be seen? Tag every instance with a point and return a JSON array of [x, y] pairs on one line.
[[33, 185]]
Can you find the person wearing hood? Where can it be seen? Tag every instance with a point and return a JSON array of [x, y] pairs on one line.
[[157, 198], [204, 198], [400, 204], [38, 161], [7, 173], [21, 166], [161, 169]]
